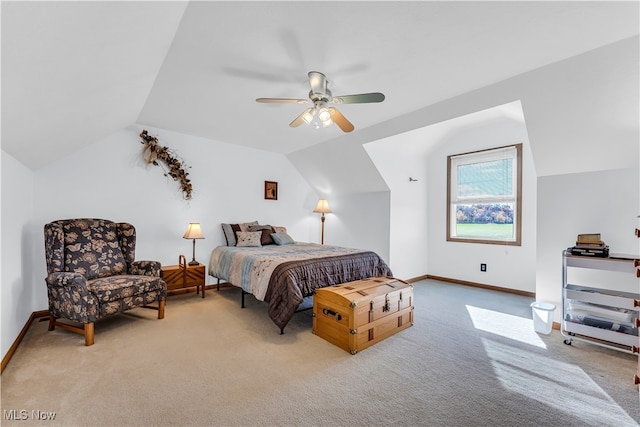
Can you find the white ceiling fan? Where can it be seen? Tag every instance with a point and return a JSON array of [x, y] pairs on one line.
[[322, 115]]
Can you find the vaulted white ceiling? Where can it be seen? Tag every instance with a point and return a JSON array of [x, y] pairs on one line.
[[74, 72]]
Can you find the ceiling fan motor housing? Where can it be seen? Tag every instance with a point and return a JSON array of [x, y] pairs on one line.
[[319, 90]]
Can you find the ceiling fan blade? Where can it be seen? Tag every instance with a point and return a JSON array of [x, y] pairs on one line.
[[300, 119], [359, 98], [340, 120], [282, 100]]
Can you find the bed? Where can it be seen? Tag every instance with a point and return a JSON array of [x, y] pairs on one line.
[[284, 274]]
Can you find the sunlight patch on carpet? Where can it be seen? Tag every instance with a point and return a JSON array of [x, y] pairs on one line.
[[563, 386], [506, 325]]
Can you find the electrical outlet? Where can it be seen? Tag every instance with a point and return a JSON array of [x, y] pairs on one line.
[[483, 267]]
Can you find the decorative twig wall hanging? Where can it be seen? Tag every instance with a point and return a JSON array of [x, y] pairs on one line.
[[153, 152]]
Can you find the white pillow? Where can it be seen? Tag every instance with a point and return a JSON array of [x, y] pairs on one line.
[[249, 238]]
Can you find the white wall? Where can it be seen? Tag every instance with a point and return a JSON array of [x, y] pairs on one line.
[[110, 180], [358, 221], [17, 291], [394, 157], [603, 202], [407, 155], [507, 266]]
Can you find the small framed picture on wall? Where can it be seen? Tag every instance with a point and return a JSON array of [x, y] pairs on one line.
[[271, 190]]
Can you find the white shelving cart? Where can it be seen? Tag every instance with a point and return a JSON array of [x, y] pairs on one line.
[[606, 315]]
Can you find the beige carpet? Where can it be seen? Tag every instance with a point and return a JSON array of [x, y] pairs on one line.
[[472, 358]]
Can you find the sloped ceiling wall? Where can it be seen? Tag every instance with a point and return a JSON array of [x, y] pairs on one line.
[[581, 115], [73, 72]]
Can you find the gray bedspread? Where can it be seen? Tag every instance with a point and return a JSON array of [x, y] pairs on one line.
[[284, 275]]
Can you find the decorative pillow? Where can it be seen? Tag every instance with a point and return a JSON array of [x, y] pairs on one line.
[[245, 225], [91, 248], [248, 238], [266, 231], [230, 231], [229, 234], [282, 239], [279, 229]]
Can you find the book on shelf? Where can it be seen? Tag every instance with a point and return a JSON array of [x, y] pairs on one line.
[[599, 252], [600, 245], [593, 238]]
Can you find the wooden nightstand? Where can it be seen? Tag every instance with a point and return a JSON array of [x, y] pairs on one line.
[[183, 276]]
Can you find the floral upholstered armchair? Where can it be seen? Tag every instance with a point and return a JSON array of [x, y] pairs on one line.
[[92, 273]]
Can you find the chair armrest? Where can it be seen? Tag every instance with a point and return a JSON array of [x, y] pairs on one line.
[[71, 281], [70, 298], [145, 268]]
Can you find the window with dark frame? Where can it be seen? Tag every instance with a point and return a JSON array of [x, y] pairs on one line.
[[484, 200]]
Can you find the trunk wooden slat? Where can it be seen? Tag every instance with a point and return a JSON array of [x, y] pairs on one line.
[[356, 315]]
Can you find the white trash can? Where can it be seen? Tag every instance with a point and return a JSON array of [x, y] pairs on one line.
[[543, 316]]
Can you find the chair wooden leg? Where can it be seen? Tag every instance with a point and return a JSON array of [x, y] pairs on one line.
[[161, 309], [88, 334], [86, 329]]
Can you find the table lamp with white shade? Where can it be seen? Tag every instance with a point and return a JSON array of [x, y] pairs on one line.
[[193, 232]]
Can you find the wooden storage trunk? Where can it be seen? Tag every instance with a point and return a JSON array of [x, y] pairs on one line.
[[358, 314]]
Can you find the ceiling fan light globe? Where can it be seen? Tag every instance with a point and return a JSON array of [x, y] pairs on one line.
[[324, 115], [308, 117], [327, 123]]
